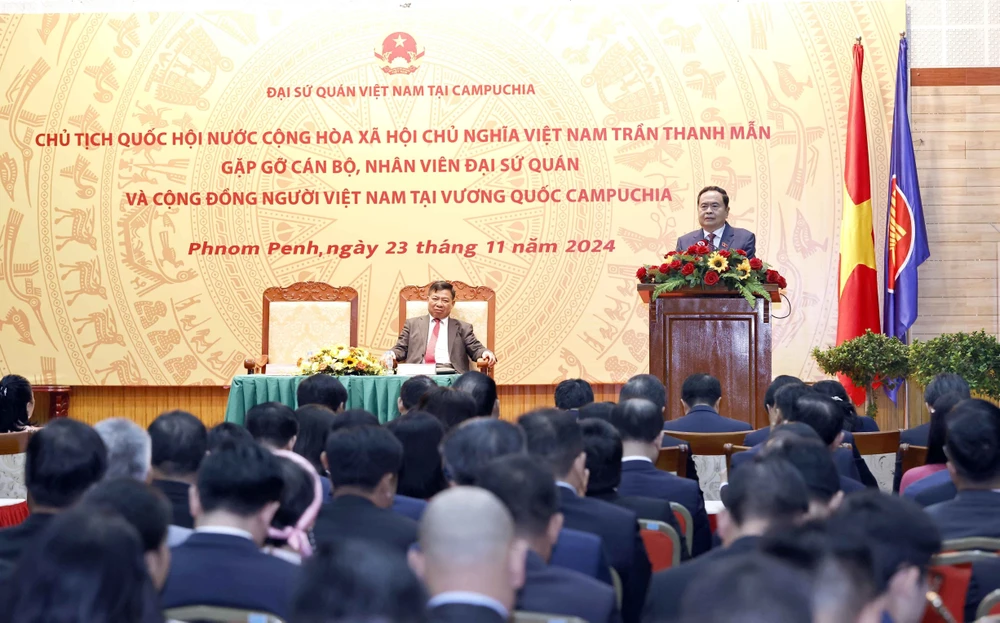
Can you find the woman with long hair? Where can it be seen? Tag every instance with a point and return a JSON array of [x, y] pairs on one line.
[[936, 460], [17, 403]]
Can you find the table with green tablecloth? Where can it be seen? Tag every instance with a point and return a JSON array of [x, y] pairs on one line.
[[376, 394]]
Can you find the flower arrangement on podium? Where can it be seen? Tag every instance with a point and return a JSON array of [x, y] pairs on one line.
[[699, 266], [342, 360]]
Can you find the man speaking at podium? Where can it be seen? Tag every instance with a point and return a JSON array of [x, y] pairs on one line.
[[447, 342], [713, 210]]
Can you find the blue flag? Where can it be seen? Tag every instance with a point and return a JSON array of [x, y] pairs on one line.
[[906, 236]]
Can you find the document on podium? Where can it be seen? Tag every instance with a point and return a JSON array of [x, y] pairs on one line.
[[416, 369]]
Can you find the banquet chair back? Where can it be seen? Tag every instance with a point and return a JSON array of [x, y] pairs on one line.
[[215, 614], [663, 544], [302, 318], [521, 616], [988, 545], [989, 606], [683, 517]]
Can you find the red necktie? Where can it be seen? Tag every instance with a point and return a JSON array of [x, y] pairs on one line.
[[432, 342], [711, 241]]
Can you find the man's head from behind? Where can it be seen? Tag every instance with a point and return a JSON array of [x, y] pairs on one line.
[[467, 543], [273, 425], [483, 391], [474, 443], [640, 423], [528, 491], [902, 539], [62, 461], [772, 389], [180, 441], [945, 383], [645, 386], [322, 389], [573, 394], [239, 486], [973, 445], [556, 439], [701, 390], [364, 461], [762, 495], [130, 450], [603, 446], [822, 414], [449, 405], [412, 391], [815, 463], [748, 588]]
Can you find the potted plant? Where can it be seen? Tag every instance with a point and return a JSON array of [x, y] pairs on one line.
[[869, 361], [973, 356]]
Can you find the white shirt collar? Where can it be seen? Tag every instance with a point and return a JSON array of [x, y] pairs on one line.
[[718, 232], [636, 458], [470, 598], [224, 530], [566, 485], [444, 321]]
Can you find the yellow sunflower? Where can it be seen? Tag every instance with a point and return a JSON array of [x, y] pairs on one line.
[[718, 263], [743, 270]]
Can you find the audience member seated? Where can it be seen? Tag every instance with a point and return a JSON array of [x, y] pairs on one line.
[[352, 417], [62, 461], [358, 581], [468, 448], [920, 435], [87, 566], [748, 587], [483, 390], [782, 400], [813, 461], [315, 424], [639, 422], [650, 388], [236, 495], [322, 389], [17, 403], [573, 394], [412, 390], [420, 433], [469, 558], [973, 449], [288, 536], [936, 460], [766, 494], [902, 540], [180, 442], [273, 425], [597, 411], [528, 491], [701, 395], [554, 437], [363, 463], [449, 405], [147, 510], [129, 448], [227, 432], [853, 423], [603, 446]]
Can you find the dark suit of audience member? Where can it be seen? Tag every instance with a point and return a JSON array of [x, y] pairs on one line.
[[650, 509], [939, 386], [700, 396], [61, 462], [179, 442], [363, 463], [465, 613], [408, 507], [555, 438], [648, 387], [239, 489], [985, 580], [759, 496], [970, 513], [842, 458], [555, 590], [583, 552], [936, 494], [641, 478]]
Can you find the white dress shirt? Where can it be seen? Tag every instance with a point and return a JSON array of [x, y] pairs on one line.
[[224, 530], [468, 598], [636, 457], [718, 235]]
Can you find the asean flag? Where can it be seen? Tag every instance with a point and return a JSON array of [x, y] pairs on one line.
[[857, 308]]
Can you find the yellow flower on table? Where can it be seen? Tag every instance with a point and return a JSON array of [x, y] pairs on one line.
[[743, 270], [717, 262]]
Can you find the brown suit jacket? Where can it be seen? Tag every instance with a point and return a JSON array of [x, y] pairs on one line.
[[462, 343]]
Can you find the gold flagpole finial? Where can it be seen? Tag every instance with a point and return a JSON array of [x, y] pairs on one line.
[[902, 34], [858, 38]]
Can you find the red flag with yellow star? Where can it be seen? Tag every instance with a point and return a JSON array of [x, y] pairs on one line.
[[858, 307]]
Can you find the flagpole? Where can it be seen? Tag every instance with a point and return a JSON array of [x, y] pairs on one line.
[[906, 382]]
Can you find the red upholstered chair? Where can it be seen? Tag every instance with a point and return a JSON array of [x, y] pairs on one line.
[[663, 545], [949, 577], [989, 606], [683, 516]]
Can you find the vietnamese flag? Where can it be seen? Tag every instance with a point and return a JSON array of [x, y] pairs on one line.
[[858, 307]]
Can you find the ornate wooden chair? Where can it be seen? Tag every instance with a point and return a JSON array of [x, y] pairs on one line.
[[674, 459], [912, 456], [300, 318], [879, 452], [473, 304]]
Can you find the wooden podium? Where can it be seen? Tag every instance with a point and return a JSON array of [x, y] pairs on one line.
[[712, 330]]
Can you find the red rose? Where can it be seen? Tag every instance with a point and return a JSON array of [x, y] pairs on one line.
[[711, 278], [670, 254], [664, 268], [692, 250], [772, 276], [687, 270], [725, 253], [782, 283], [641, 273], [741, 252], [756, 264], [704, 249], [675, 265]]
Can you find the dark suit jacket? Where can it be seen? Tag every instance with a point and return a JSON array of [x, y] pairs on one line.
[[464, 613], [866, 425], [619, 532], [985, 580], [757, 437], [643, 479], [732, 238], [230, 572], [554, 590], [971, 513], [582, 552], [646, 508], [353, 517], [667, 587], [704, 419], [409, 507], [936, 495], [842, 458], [916, 436], [15, 539], [177, 494], [462, 343], [670, 442]]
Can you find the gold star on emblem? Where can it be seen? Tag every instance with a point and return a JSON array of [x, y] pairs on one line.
[[399, 40]]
